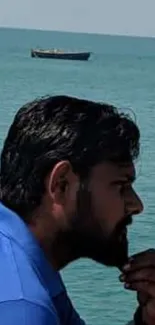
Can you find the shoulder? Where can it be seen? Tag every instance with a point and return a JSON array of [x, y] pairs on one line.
[[66, 310], [21, 278], [24, 312]]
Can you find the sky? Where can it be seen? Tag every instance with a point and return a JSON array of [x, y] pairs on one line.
[[132, 17]]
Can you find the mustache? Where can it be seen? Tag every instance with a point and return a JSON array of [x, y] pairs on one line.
[[124, 223]]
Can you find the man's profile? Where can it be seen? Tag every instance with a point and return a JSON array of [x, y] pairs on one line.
[[67, 173]]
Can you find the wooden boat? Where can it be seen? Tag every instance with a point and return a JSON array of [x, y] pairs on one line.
[[58, 54]]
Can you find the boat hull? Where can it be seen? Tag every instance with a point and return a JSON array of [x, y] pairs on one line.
[[83, 56]]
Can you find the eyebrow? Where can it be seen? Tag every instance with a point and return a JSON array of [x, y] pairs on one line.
[[124, 179], [130, 178]]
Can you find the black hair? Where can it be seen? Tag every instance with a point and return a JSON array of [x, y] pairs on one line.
[[52, 129]]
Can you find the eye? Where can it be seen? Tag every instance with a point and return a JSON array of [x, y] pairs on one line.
[[124, 187], [121, 188]]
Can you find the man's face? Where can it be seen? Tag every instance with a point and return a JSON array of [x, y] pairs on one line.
[[105, 205]]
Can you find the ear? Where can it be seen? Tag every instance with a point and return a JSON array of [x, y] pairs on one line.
[[61, 181]]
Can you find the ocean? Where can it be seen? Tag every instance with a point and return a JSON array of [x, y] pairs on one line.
[[121, 72]]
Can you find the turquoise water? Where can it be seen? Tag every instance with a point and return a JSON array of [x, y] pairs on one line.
[[121, 72]]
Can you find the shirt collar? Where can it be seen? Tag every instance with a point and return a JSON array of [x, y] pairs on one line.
[[12, 226]]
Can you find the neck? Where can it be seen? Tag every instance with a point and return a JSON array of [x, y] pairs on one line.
[[61, 252], [58, 247]]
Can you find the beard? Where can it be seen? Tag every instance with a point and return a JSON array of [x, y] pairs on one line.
[[87, 239]]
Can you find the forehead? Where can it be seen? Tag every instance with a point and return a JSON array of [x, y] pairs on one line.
[[110, 171]]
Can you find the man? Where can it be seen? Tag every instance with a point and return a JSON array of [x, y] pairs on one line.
[[67, 173]]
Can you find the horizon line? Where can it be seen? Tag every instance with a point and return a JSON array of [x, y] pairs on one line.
[[76, 32]]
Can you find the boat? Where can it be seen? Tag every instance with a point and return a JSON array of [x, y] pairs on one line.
[[58, 54]]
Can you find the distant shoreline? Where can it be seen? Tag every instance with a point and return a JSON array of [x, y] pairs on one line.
[[76, 32]]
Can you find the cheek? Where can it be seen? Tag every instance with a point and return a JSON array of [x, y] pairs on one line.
[[108, 208]]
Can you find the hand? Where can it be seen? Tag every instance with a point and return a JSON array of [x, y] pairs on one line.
[[139, 275]]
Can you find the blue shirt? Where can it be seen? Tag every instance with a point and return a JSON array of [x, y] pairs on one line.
[[31, 292]]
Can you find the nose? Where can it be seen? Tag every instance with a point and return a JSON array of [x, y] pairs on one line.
[[135, 205]]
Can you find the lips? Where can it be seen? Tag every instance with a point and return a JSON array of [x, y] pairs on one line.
[[123, 225], [124, 231], [128, 220]]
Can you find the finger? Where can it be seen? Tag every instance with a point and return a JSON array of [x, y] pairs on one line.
[[140, 260], [149, 312], [149, 251], [147, 274], [144, 287]]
